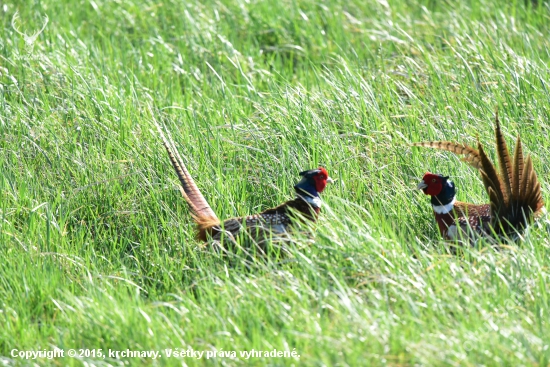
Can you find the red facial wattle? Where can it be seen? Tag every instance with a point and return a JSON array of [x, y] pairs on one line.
[[321, 180], [434, 184]]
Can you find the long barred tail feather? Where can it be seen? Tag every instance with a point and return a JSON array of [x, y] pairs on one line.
[[492, 182], [202, 213], [470, 155], [504, 161], [518, 170]]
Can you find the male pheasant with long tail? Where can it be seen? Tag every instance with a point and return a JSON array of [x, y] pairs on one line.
[[259, 227], [514, 193]]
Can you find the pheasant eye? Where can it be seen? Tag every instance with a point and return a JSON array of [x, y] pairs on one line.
[[433, 179]]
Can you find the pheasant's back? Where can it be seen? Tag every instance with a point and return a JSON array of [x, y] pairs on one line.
[[472, 210], [269, 224]]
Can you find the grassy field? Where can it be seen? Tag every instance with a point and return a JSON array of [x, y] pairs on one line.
[[96, 243]]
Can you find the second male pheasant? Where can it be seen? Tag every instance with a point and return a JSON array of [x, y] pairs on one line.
[[514, 193]]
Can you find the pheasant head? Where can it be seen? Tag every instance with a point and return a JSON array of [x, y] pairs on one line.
[[441, 189], [313, 182]]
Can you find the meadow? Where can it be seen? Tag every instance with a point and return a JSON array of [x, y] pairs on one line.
[[97, 246]]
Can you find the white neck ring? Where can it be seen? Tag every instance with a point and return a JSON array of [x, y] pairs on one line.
[[444, 209]]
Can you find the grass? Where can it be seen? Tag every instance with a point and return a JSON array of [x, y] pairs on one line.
[[97, 245]]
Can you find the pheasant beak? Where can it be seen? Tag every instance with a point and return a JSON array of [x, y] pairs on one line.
[[421, 185], [330, 180]]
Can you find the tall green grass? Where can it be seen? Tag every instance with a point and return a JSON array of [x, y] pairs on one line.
[[96, 244]]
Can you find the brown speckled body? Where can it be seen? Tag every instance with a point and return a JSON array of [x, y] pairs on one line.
[[472, 220], [271, 223]]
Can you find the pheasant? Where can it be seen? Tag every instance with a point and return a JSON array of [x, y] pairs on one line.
[[259, 227], [514, 193]]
